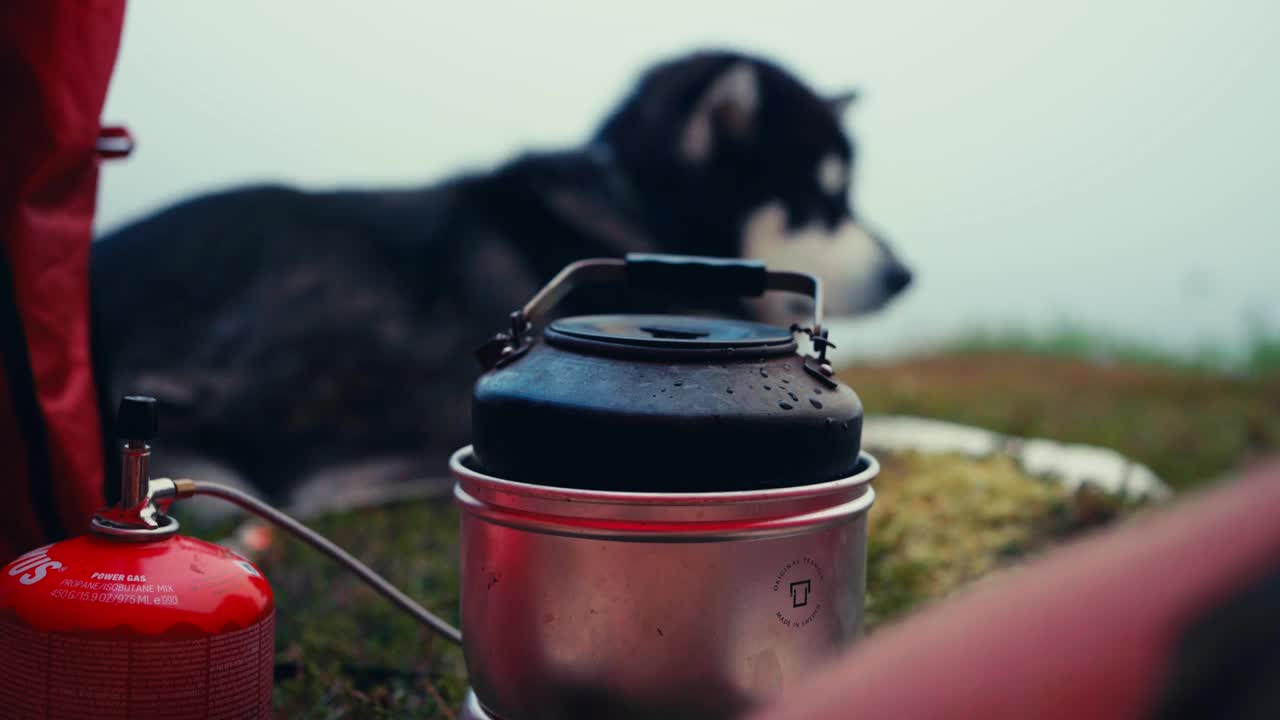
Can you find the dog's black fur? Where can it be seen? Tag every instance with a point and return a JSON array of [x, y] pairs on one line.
[[287, 332]]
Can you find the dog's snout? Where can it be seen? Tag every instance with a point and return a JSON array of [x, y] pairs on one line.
[[897, 277]]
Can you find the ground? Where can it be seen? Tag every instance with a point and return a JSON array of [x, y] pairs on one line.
[[939, 523], [1188, 425]]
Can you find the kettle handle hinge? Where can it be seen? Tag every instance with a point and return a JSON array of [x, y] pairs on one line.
[[817, 365], [821, 371], [506, 346], [821, 342]]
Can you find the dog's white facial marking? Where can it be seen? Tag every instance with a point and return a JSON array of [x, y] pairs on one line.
[[734, 96], [833, 174], [847, 258]]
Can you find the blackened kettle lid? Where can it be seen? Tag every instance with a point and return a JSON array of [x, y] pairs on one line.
[[669, 336], [645, 403]]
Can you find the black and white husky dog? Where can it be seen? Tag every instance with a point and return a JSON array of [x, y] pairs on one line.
[[324, 339]]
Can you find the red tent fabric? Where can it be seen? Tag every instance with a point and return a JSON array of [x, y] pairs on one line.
[[56, 58]]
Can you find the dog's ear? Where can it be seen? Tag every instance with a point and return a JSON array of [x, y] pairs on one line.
[[726, 109], [841, 102]]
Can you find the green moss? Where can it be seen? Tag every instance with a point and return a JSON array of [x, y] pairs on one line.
[[345, 652], [942, 521]]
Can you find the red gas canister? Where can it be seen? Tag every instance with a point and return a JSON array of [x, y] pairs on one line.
[[134, 620], [97, 627]]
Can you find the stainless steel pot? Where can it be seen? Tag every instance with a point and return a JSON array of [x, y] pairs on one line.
[[585, 603]]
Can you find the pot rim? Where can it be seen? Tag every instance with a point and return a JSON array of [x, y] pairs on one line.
[[867, 469], [662, 517]]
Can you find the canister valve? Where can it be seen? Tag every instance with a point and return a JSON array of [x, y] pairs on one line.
[[136, 517]]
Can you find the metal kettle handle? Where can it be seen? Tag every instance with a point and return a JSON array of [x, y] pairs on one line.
[[685, 274]]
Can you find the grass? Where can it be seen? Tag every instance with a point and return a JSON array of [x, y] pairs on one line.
[[1191, 426], [342, 651], [1259, 355]]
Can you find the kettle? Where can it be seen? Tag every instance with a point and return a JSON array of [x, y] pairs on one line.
[[661, 515]]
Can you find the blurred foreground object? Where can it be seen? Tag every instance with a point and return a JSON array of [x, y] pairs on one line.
[[56, 58], [1175, 616]]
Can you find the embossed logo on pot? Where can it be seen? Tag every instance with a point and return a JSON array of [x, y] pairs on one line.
[[798, 589]]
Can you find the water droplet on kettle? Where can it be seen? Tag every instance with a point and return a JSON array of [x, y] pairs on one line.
[[767, 387], [679, 383], [844, 426], [729, 390], [786, 379], [817, 391], [793, 396], [828, 422], [784, 406], [764, 373], [818, 405]]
